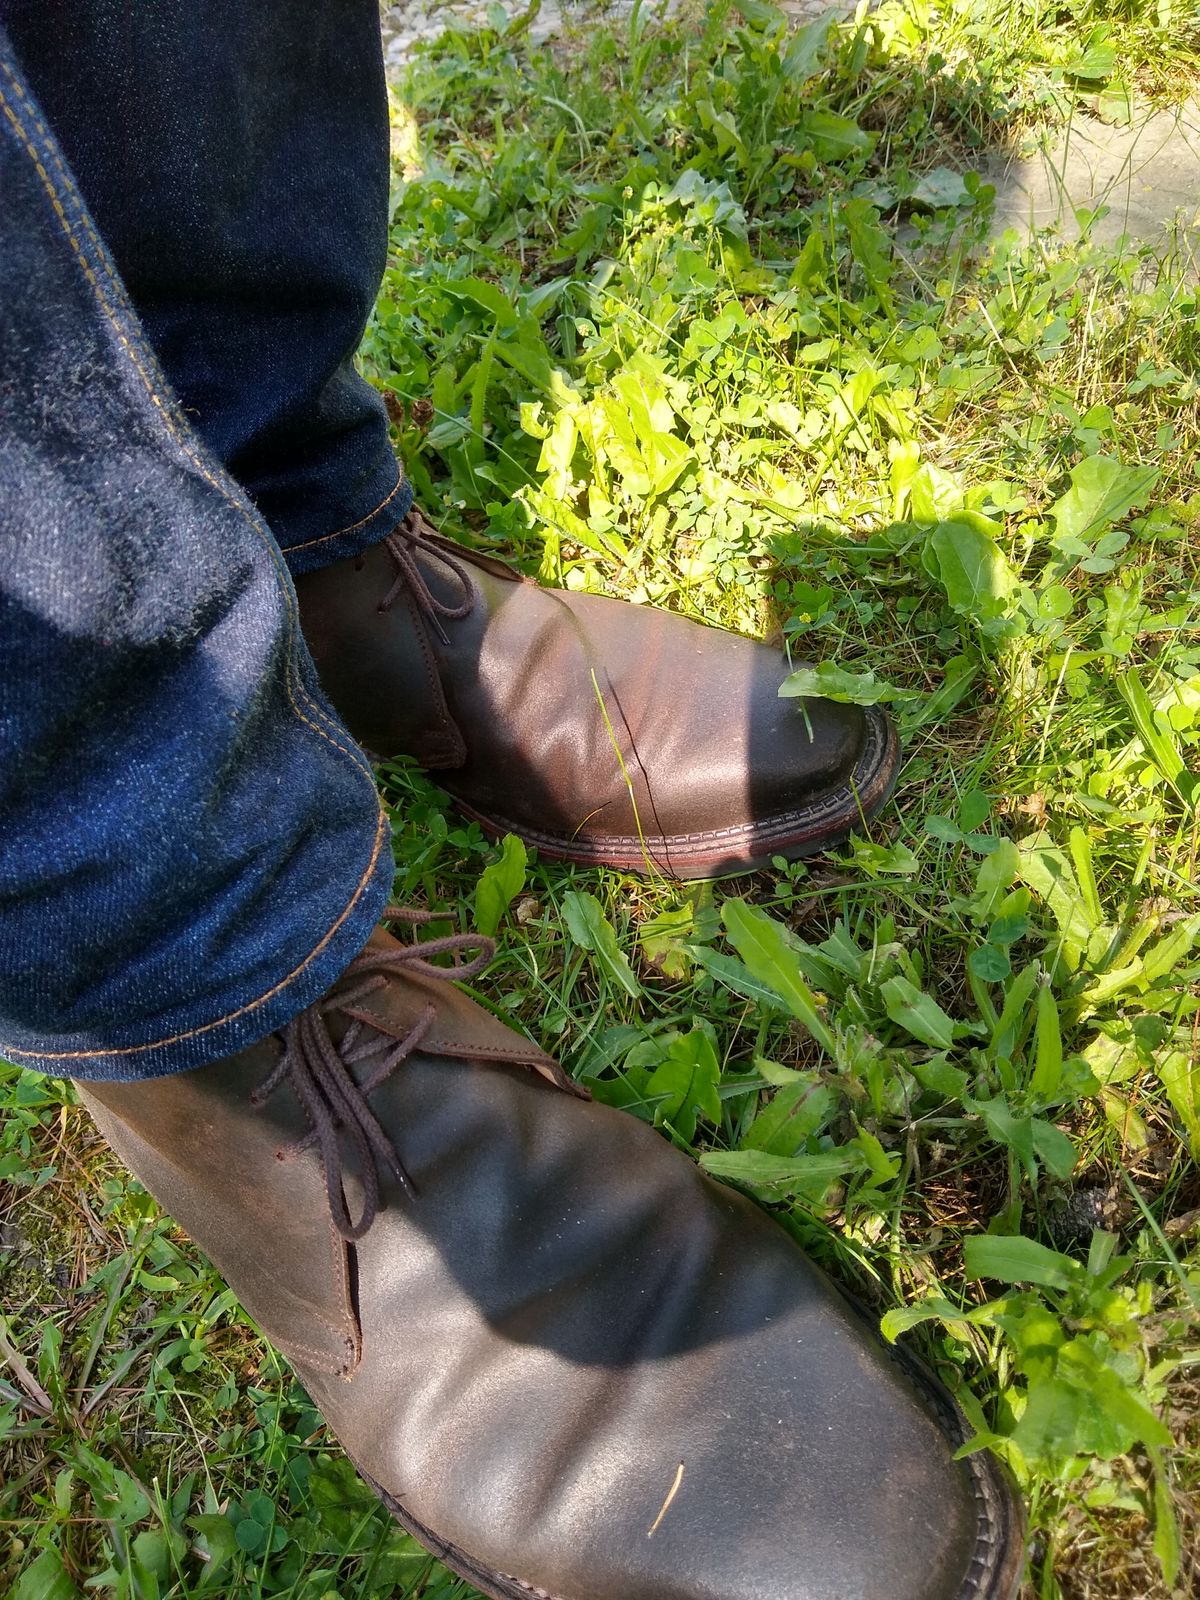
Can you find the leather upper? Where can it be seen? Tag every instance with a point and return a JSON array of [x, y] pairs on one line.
[[572, 1355], [594, 728]]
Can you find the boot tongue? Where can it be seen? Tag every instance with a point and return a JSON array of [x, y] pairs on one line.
[[432, 543], [462, 1030]]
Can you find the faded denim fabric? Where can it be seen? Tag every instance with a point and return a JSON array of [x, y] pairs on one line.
[[191, 846], [234, 154]]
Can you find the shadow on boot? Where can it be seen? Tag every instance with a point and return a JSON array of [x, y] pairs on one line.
[[571, 1364], [600, 731]]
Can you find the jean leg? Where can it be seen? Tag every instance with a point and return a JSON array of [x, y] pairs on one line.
[[235, 157], [191, 846]]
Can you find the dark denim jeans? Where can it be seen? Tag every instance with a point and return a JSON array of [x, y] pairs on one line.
[[234, 154], [191, 846]]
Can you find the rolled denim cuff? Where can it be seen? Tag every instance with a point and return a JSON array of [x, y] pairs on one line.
[[386, 501], [283, 983]]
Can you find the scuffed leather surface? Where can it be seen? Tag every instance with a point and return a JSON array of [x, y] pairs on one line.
[[567, 1312], [653, 1319], [590, 725], [194, 1142]]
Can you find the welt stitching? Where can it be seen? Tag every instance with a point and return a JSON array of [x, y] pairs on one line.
[[764, 832], [291, 678]]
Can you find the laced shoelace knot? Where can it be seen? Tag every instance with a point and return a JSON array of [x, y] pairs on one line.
[[318, 1071], [414, 534]]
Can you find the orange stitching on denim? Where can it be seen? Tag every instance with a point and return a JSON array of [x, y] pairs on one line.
[[291, 679], [232, 1016], [355, 755], [362, 521], [173, 421]]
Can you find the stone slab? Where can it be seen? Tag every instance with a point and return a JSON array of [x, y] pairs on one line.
[[1147, 175]]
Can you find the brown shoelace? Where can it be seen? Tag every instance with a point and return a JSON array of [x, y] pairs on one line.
[[319, 1071], [409, 536]]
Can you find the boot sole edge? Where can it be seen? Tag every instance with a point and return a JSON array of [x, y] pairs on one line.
[[729, 852]]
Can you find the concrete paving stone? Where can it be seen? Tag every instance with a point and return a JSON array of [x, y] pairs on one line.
[[1147, 174]]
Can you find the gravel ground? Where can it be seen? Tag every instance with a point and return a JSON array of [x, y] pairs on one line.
[[408, 22]]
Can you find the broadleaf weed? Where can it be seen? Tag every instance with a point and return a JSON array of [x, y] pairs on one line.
[[703, 311]]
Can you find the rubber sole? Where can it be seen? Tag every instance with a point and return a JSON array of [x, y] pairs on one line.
[[726, 852]]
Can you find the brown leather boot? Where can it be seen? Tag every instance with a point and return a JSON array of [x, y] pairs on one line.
[[573, 1366], [599, 731]]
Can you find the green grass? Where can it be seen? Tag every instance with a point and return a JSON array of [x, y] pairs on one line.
[[706, 313]]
